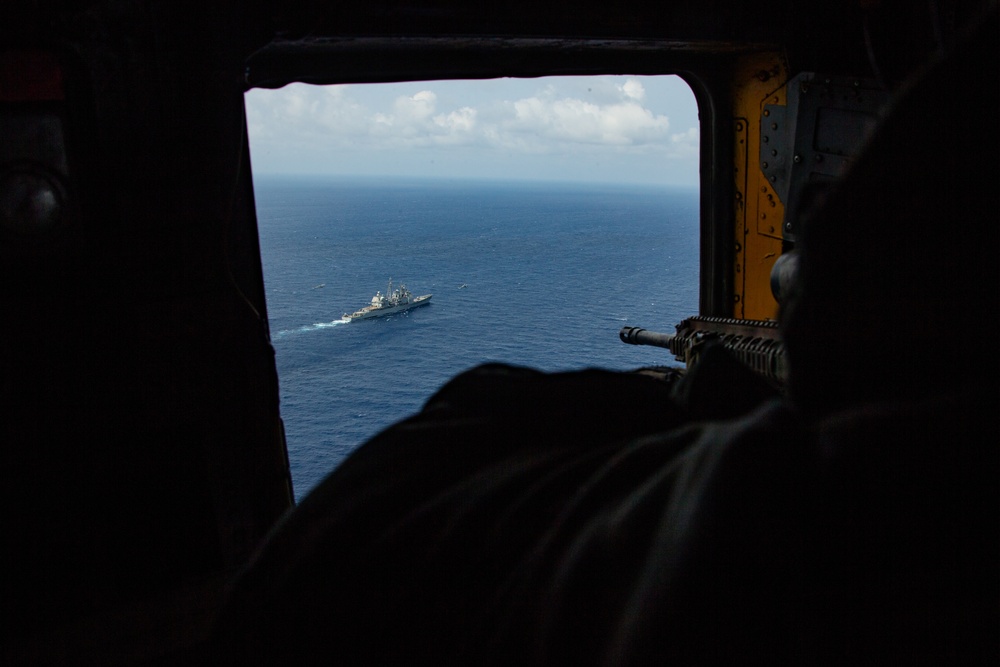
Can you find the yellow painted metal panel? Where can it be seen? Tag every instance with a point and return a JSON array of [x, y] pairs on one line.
[[758, 81]]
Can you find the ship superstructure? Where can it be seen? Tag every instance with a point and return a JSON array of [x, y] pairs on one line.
[[393, 301]]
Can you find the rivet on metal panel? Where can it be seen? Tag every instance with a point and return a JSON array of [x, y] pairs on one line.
[[739, 126], [774, 179], [764, 165], [797, 159], [765, 138], [774, 126], [819, 158], [767, 112], [774, 152], [788, 226]]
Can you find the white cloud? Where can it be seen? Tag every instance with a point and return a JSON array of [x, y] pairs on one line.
[[457, 126], [300, 113], [304, 125], [685, 144], [415, 109], [571, 120], [413, 123], [689, 137], [340, 113], [532, 124], [298, 106], [633, 89]]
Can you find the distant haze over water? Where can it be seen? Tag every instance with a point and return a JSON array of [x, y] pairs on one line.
[[551, 272]]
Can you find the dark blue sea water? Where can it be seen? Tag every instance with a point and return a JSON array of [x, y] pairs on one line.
[[551, 273]]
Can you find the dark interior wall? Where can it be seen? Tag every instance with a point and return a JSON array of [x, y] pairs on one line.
[[311, 35], [142, 447]]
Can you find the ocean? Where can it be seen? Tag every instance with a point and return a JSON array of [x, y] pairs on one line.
[[534, 274]]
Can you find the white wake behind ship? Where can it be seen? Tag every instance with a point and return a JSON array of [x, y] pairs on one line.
[[393, 301]]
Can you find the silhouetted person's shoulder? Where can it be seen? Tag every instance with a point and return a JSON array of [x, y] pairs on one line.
[[515, 519], [467, 534]]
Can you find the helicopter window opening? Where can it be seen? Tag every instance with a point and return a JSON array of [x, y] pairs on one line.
[[542, 215]]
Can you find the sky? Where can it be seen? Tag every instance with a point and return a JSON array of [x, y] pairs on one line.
[[602, 129]]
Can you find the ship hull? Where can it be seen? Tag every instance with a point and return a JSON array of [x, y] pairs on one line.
[[389, 310]]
